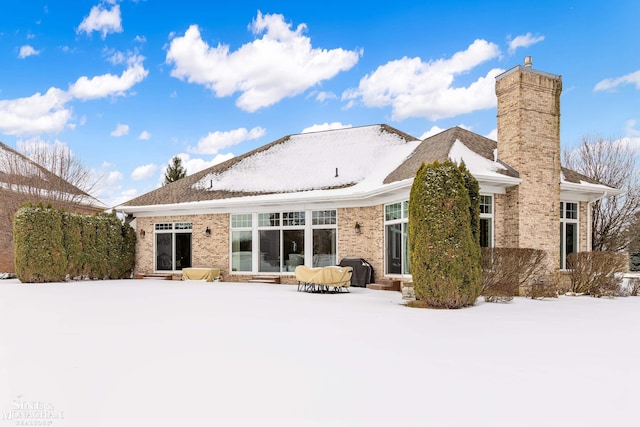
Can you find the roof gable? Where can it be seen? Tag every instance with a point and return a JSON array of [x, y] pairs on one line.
[[457, 144]]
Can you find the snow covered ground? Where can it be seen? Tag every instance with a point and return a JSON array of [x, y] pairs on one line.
[[163, 353]]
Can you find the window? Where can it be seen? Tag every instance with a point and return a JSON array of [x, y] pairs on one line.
[[568, 231], [281, 239], [241, 242], [324, 237], [396, 217], [173, 245], [486, 221]]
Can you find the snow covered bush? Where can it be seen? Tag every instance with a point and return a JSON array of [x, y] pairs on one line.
[[506, 270], [444, 249], [596, 273]]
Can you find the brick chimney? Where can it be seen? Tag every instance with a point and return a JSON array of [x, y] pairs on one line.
[[529, 141]]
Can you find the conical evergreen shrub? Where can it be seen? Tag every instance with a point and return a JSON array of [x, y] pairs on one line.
[[444, 249]]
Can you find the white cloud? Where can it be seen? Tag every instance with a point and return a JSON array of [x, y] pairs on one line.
[[197, 164], [34, 145], [116, 57], [216, 141], [144, 172], [114, 177], [144, 135], [325, 126], [611, 84], [102, 20], [323, 96], [414, 88], [36, 114], [493, 134], [524, 40], [282, 63], [120, 130], [26, 51], [433, 131], [49, 113], [108, 84], [109, 188]]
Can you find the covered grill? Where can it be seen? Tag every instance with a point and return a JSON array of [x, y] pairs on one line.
[[362, 271]]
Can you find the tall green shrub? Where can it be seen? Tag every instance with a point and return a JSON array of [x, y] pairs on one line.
[[39, 254], [473, 188], [72, 234], [443, 245], [51, 245]]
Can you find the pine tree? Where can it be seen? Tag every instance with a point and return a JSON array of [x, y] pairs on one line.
[[174, 171], [444, 249]]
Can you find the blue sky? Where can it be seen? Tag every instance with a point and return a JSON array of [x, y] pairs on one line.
[[126, 85]]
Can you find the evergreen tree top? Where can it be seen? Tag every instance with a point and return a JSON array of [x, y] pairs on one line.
[[174, 171]]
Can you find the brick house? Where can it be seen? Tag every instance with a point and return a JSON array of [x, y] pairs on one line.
[[319, 197], [23, 181]]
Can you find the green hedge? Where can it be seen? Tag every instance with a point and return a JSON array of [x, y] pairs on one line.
[[51, 245], [443, 236]]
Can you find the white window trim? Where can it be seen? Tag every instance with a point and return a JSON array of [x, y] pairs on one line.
[[308, 228], [172, 231], [563, 221], [491, 216], [401, 220]]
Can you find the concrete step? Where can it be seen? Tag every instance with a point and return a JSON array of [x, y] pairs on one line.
[[385, 285], [158, 276], [265, 279]]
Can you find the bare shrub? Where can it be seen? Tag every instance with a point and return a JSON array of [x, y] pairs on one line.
[[634, 286], [505, 270], [544, 287], [596, 273], [629, 287]]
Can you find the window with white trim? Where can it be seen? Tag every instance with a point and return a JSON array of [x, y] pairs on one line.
[[486, 221], [241, 242], [396, 226], [277, 240], [172, 245], [568, 231], [323, 224]]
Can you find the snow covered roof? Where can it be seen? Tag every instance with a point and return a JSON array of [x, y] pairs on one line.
[[578, 184], [340, 166], [302, 166], [361, 156], [460, 145]]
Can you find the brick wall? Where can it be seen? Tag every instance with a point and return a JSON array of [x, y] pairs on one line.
[[529, 140], [369, 244], [207, 251], [213, 251]]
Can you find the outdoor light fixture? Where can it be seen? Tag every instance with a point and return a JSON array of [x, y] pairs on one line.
[[207, 231], [142, 233], [357, 228]]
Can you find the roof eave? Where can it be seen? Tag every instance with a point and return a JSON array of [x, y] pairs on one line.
[[589, 192], [335, 197]]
